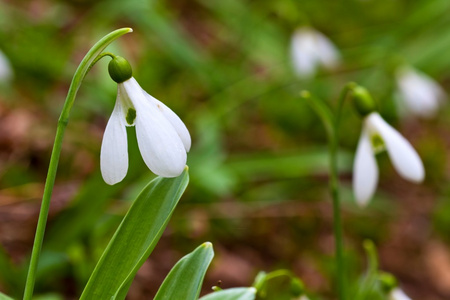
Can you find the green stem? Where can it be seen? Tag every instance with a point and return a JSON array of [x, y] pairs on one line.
[[88, 61], [337, 222], [334, 188], [331, 123]]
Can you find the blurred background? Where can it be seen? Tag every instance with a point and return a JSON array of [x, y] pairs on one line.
[[258, 165]]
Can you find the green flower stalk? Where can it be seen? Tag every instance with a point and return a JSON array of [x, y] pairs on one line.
[[88, 61], [331, 124]]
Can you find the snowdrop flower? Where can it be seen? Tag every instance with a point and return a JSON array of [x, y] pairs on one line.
[[398, 294], [311, 49], [162, 137], [420, 93], [377, 135], [6, 72]]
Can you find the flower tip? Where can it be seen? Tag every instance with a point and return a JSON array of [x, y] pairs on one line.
[[419, 177], [362, 198], [169, 171], [110, 180], [362, 202]]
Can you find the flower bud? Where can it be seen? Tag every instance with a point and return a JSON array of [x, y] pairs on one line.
[[363, 101], [387, 281], [119, 69], [297, 288]]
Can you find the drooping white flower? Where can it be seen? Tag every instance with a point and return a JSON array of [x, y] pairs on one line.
[[421, 94], [6, 72], [162, 137], [378, 135], [311, 49], [398, 294]]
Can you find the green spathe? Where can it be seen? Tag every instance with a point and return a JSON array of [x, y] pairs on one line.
[[120, 69], [363, 101]]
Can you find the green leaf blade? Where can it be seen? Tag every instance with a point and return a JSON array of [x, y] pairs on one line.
[[135, 238], [232, 294], [5, 297], [185, 279]]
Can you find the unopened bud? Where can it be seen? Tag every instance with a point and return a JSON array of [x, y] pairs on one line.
[[297, 287], [119, 69], [363, 101], [387, 281]]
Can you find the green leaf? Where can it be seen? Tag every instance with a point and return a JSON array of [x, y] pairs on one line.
[[185, 279], [4, 297], [232, 294], [135, 238]]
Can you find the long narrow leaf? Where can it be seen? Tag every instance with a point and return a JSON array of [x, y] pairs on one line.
[[4, 297], [185, 279], [135, 238], [232, 294]]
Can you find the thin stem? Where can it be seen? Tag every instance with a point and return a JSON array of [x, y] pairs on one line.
[[100, 56], [78, 77], [331, 123], [334, 188], [337, 222]]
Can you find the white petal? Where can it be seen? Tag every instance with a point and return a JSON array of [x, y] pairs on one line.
[[303, 51], [326, 51], [176, 122], [114, 151], [365, 170], [160, 146], [398, 294], [421, 93], [403, 156]]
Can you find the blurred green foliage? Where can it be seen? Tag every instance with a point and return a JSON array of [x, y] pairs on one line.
[[258, 163]]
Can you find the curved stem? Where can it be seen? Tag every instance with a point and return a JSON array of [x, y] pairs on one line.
[[78, 77]]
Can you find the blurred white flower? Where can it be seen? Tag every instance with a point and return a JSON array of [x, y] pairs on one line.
[[398, 294], [378, 135], [311, 49], [421, 94], [6, 72], [162, 137]]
